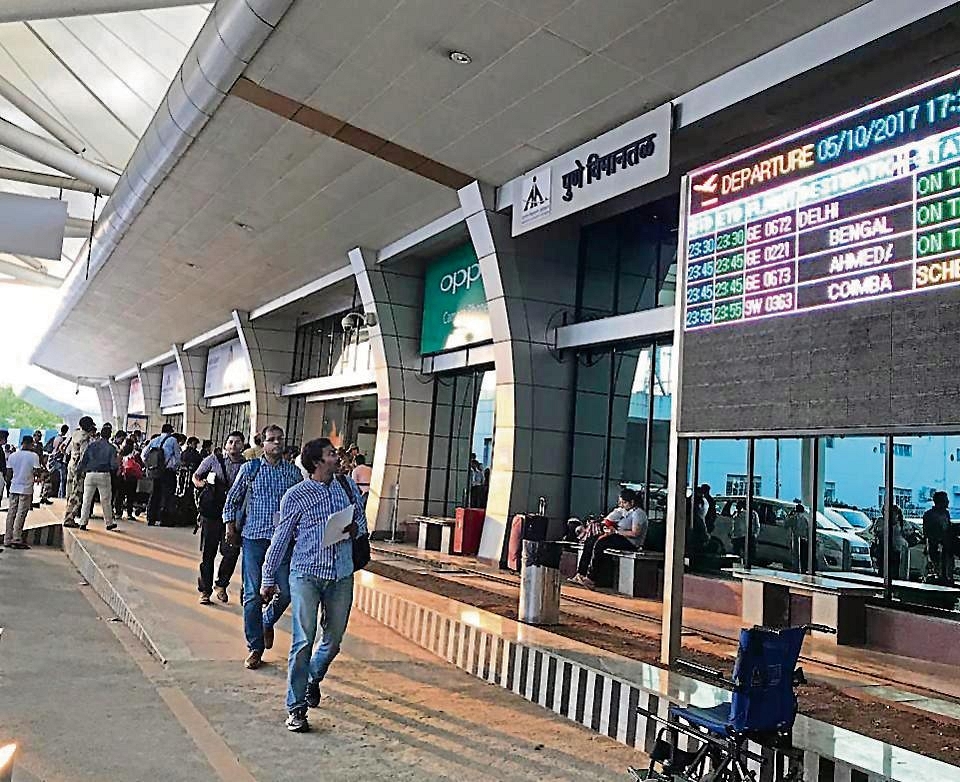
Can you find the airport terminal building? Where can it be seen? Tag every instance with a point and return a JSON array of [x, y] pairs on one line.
[[515, 242]]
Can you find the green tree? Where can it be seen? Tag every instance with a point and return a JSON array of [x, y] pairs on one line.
[[15, 413]]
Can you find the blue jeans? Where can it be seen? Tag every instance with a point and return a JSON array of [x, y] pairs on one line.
[[309, 594], [255, 616]]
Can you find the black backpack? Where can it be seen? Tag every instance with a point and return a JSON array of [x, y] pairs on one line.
[[212, 497], [156, 461]]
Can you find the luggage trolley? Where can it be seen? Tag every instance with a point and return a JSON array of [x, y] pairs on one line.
[[762, 709]]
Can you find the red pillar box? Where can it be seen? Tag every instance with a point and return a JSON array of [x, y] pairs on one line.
[[469, 527]]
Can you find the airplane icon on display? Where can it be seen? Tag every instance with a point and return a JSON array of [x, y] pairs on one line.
[[708, 188]]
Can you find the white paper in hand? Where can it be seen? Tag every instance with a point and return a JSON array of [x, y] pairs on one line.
[[333, 532]]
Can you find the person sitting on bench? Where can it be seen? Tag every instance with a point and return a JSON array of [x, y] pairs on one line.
[[625, 528]]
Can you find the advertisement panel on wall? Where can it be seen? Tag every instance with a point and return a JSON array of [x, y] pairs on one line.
[[136, 423], [227, 370], [454, 303], [172, 392], [822, 271], [135, 402]]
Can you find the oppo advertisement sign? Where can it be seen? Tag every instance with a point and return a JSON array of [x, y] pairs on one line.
[[822, 274], [454, 303]]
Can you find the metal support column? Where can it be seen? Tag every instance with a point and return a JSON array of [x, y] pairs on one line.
[[695, 473], [814, 504], [751, 460], [674, 554], [648, 449], [888, 516]]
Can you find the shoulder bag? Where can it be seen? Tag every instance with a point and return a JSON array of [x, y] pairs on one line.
[[361, 543], [211, 497], [242, 516]]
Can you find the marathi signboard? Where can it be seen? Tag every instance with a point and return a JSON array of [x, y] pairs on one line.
[[454, 303], [621, 160]]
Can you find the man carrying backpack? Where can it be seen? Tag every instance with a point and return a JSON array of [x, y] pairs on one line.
[[213, 478], [161, 457]]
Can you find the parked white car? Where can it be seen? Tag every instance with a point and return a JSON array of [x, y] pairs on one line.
[[774, 542]]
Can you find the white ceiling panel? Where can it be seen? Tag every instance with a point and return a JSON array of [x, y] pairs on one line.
[[401, 38], [582, 24], [540, 58], [540, 11]]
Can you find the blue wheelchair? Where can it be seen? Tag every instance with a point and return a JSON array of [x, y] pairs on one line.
[[762, 709]]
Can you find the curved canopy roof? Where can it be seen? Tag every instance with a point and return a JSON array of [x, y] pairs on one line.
[[100, 75]]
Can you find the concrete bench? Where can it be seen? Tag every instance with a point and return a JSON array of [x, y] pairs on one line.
[[639, 573], [435, 533], [835, 603], [911, 591]]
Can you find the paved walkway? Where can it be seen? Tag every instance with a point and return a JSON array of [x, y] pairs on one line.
[[93, 705]]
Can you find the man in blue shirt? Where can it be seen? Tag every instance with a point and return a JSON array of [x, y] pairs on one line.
[[165, 479], [254, 502], [320, 576]]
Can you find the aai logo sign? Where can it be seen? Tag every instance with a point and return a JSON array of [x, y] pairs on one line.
[[535, 191]]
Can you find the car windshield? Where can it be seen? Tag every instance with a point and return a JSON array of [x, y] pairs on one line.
[[856, 518], [837, 519], [824, 523]]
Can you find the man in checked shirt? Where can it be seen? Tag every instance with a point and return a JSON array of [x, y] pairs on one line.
[[321, 578], [265, 480]]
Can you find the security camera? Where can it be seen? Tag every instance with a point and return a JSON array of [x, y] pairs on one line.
[[351, 322]]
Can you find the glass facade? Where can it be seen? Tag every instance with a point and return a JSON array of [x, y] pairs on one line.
[[628, 263], [322, 348], [294, 427], [462, 424], [849, 495], [621, 426], [176, 421], [230, 418]]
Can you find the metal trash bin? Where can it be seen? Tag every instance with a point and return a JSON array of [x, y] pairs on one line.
[[540, 583]]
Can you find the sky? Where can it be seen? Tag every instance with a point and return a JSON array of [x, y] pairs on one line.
[[29, 310]]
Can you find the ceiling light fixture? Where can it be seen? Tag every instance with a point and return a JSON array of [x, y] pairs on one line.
[[460, 58]]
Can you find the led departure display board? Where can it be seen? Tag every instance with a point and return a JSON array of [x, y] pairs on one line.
[[821, 275], [863, 207]]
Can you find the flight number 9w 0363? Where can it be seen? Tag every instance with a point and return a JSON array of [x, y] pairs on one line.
[[769, 304]]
